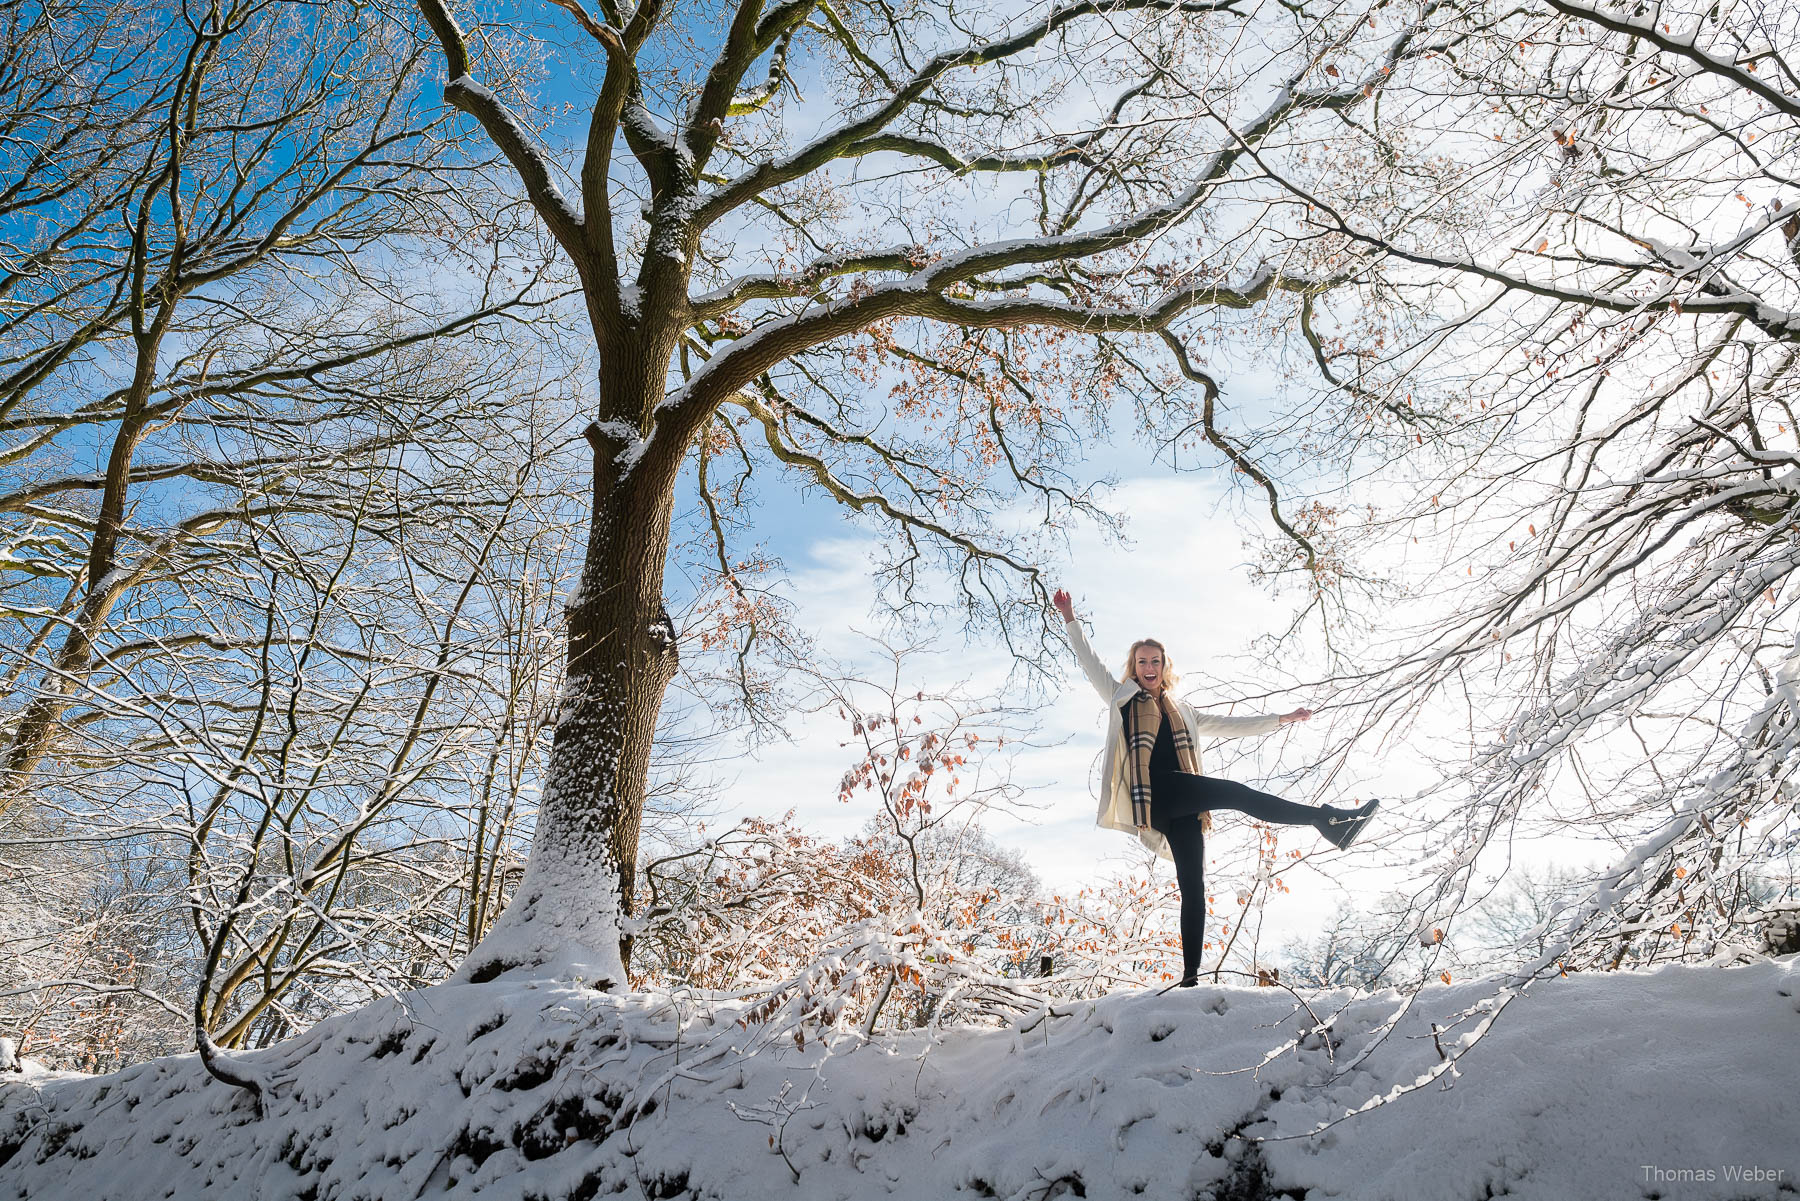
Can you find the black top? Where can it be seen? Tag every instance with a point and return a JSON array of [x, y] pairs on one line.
[[1172, 791], [1163, 759]]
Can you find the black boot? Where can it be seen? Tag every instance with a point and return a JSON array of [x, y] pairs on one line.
[[1341, 827]]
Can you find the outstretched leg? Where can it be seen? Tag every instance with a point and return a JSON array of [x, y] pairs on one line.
[[1194, 794], [1263, 806]]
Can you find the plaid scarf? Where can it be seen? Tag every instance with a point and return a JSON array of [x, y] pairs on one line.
[[1144, 715]]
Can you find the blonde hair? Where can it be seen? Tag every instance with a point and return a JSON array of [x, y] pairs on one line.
[[1169, 678]]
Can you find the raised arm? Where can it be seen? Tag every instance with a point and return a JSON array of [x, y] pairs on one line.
[[1091, 666]]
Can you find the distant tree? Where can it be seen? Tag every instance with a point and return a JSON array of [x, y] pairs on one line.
[[1342, 954], [1514, 923]]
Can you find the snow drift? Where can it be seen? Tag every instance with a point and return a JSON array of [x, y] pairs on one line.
[[1674, 1083]]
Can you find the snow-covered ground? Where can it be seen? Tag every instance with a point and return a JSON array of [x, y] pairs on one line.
[[1677, 1083]]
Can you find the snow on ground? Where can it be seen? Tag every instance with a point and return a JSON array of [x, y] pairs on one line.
[[1677, 1083]]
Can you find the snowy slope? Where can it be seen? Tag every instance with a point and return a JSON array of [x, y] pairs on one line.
[[1676, 1083]]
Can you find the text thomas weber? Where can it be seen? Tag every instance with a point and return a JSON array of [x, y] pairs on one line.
[[1736, 1173]]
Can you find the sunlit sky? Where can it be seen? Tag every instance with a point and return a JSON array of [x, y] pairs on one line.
[[1181, 577]]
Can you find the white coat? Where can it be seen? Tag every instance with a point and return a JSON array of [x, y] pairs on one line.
[[1115, 783]]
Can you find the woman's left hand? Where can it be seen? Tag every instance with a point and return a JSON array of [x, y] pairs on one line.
[[1297, 715]]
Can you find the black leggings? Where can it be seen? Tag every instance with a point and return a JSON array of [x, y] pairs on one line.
[[1176, 802]]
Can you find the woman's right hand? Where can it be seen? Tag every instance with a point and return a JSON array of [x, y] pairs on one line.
[[1063, 605]]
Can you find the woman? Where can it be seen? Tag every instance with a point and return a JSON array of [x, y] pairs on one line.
[[1152, 782]]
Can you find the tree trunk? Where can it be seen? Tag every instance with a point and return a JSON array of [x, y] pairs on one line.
[[567, 918], [37, 726]]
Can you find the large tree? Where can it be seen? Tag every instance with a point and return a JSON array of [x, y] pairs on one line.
[[912, 251]]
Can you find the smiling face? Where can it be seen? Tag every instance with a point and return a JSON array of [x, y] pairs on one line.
[[1147, 667]]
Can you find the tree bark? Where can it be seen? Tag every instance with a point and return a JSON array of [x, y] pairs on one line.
[[74, 659], [568, 915]]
